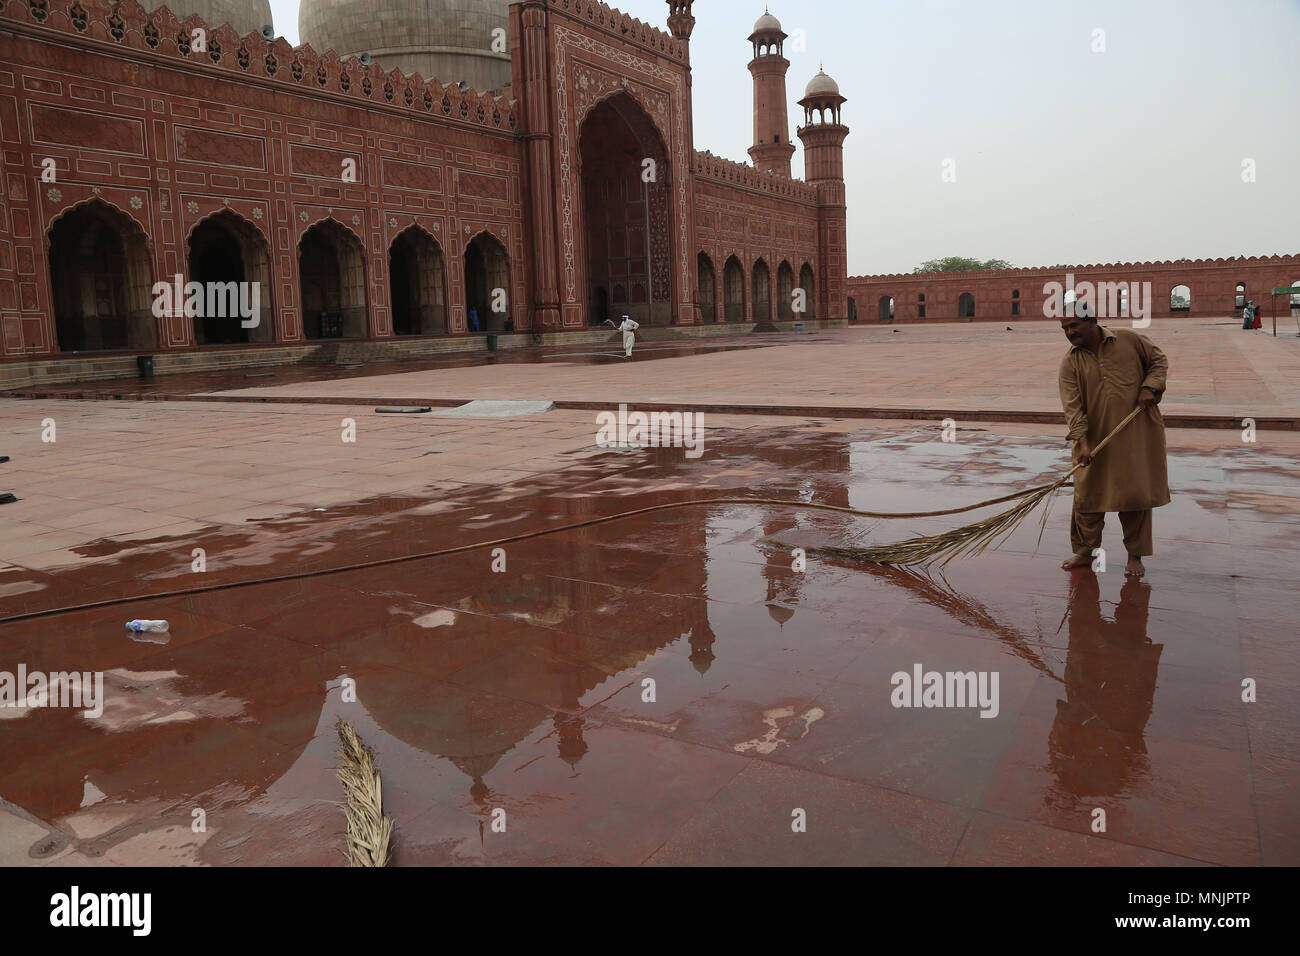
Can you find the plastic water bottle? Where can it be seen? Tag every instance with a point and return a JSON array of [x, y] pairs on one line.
[[158, 627]]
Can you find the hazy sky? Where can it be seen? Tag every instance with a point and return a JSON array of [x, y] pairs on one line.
[[1061, 154]]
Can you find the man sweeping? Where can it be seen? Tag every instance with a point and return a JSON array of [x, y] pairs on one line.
[[1104, 376], [628, 328]]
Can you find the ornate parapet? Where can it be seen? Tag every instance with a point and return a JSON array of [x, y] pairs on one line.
[[618, 24], [710, 167], [159, 33]]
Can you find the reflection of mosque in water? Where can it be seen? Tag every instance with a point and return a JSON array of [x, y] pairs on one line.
[[592, 624], [704, 555], [701, 553], [524, 651], [585, 626]]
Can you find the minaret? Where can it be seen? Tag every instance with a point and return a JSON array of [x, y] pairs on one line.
[[681, 22], [823, 159], [772, 148]]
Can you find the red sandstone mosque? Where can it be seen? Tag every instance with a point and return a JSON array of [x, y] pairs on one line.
[[539, 176], [417, 171]]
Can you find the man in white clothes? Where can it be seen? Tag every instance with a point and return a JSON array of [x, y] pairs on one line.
[[628, 328]]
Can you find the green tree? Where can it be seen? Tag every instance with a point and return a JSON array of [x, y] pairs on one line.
[[960, 264]]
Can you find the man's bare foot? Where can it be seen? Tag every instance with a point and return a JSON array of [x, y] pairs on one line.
[[1076, 561], [1135, 568]]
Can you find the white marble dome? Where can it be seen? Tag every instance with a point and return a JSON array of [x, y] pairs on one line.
[[450, 40], [246, 16], [820, 85]]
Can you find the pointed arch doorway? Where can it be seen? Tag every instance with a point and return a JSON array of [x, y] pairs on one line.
[[627, 222]]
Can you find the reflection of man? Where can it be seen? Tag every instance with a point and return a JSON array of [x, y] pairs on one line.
[[1096, 743], [628, 328], [1104, 375]]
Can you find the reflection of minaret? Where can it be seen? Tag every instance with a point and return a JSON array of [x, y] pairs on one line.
[[571, 746], [782, 585], [1110, 682], [701, 639], [816, 470]]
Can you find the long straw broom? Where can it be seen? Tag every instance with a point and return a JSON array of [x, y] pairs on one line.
[[970, 539], [369, 831]]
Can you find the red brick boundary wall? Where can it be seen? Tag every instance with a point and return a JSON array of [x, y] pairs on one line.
[[1212, 287]]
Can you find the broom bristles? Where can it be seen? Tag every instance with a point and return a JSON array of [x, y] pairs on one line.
[[969, 539], [369, 831]]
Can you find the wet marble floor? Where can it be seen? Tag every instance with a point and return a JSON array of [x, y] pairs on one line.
[[659, 689]]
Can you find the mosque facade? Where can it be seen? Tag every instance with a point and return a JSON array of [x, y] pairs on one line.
[[372, 205]]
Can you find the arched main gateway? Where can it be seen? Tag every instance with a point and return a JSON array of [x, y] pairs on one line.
[[625, 210], [101, 281]]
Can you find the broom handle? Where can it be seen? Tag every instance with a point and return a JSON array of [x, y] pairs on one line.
[[1115, 431]]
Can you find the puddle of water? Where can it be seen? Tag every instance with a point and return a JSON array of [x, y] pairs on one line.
[[524, 689]]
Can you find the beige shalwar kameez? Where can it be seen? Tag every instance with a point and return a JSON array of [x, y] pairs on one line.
[[1129, 476]]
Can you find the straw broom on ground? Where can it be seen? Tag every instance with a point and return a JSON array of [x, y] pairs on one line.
[[969, 539], [369, 831]]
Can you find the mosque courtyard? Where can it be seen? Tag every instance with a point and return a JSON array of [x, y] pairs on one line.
[[675, 687]]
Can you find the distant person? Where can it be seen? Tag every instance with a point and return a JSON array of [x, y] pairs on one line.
[[1248, 315], [1258, 322], [628, 328], [473, 320]]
